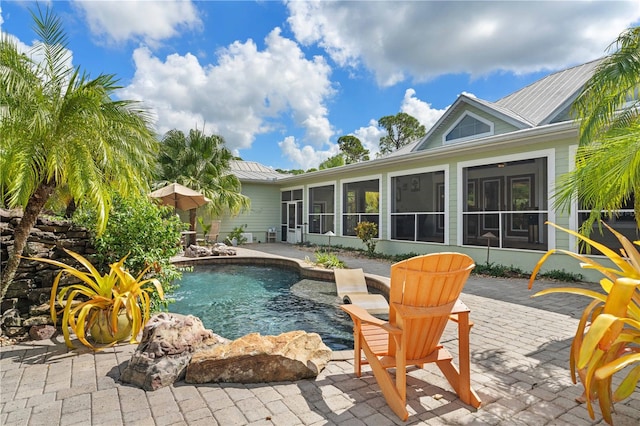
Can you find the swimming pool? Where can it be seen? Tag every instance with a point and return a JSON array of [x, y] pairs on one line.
[[235, 300]]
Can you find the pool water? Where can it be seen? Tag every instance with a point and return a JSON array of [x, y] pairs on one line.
[[235, 300]]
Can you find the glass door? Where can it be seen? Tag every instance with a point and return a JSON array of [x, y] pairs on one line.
[[294, 225]]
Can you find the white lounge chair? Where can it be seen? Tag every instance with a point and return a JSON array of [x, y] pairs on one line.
[[352, 289]]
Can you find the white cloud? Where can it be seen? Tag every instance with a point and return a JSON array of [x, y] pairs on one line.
[[424, 39], [246, 93], [421, 110], [306, 157], [147, 21]]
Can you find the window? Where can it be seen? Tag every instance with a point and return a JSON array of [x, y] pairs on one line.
[[361, 203], [623, 221], [321, 209], [418, 207], [469, 126], [506, 204]]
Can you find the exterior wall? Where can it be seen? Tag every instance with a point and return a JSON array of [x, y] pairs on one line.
[[557, 150], [264, 213]]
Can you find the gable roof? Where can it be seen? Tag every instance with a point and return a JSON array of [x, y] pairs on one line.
[[250, 171], [534, 105]]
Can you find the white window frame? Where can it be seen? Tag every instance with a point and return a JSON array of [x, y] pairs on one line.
[[549, 154], [438, 168], [476, 136], [573, 218], [335, 200], [340, 187]]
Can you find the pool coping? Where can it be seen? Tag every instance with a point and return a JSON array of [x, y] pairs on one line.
[[306, 269]]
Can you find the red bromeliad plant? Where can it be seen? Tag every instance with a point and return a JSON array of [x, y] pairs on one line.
[[608, 336]]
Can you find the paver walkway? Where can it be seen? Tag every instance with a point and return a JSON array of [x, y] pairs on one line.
[[519, 349]]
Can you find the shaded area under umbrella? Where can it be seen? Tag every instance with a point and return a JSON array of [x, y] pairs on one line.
[[182, 198]]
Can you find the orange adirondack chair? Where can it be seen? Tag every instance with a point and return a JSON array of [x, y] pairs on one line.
[[423, 297]]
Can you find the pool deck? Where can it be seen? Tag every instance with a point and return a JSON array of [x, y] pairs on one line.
[[519, 366]]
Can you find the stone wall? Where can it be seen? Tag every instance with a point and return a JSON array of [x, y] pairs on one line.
[[27, 300]]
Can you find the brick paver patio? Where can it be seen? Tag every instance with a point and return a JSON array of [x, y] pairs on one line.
[[519, 349]]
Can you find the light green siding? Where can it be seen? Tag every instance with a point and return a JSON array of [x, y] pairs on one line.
[[263, 214]]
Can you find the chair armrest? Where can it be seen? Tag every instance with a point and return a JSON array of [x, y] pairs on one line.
[[360, 315]]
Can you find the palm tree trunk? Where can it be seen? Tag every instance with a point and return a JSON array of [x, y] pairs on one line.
[[21, 233]]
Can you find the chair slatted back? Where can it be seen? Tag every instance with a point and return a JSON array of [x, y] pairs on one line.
[[432, 280], [214, 232]]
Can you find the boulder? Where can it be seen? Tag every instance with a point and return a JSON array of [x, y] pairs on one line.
[[254, 358], [221, 249], [167, 344], [197, 251], [42, 332]]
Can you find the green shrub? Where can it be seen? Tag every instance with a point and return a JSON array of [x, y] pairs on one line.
[[328, 260], [148, 233], [561, 275], [367, 231], [237, 234], [502, 271]]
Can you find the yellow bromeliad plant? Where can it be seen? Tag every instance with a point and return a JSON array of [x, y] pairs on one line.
[[100, 296], [608, 336]]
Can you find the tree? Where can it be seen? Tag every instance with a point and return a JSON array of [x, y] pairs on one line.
[[61, 130], [352, 149], [402, 129], [607, 172], [201, 162], [335, 161]]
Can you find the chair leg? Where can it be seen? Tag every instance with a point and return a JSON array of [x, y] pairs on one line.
[[357, 352], [396, 402], [464, 391], [460, 380]]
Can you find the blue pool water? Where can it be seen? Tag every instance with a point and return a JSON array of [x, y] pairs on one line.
[[234, 300]]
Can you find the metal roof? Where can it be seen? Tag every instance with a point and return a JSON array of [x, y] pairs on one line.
[[539, 102], [252, 171]]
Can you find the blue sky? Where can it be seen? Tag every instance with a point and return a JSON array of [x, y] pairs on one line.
[[282, 81]]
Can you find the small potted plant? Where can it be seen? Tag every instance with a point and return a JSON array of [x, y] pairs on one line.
[[112, 307], [607, 340], [235, 237]]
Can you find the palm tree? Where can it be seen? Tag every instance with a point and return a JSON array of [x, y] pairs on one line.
[[201, 162], [62, 131], [607, 173]]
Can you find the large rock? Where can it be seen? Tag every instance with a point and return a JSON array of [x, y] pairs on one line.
[[254, 358], [168, 342], [42, 331]]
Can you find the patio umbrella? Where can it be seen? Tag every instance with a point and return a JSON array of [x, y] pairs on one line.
[[179, 197], [183, 198]]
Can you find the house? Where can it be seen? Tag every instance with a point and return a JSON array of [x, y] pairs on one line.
[[482, 176]]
